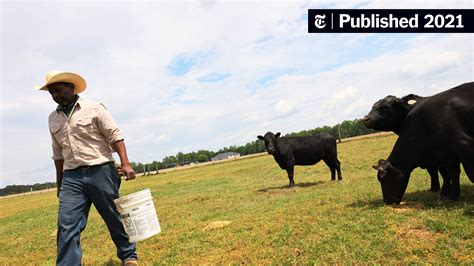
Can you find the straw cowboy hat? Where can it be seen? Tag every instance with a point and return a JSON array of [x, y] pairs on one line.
[[62, 76]]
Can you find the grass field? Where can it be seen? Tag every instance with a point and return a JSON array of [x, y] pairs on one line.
[[317, 221]]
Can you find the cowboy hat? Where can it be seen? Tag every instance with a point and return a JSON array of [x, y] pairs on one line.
[[62, 76]]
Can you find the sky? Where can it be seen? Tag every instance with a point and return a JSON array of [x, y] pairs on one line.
[[183, 76]]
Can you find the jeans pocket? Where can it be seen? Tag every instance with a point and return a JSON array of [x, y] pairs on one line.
[[112, 174], [116, 175]]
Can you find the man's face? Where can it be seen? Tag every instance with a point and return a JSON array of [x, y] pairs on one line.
[[62, 93]]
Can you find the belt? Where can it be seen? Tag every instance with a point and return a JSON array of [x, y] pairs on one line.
[[85, 167]]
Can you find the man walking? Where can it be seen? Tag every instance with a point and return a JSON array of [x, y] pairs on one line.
[[84, 136]]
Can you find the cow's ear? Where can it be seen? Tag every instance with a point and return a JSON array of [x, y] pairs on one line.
[[381, 174], [398, 102], [410, 99], [382, 167], [277, 135], [260, 137]]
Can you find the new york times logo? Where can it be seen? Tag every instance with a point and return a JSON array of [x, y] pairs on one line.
[[319, 21], [390, 20]]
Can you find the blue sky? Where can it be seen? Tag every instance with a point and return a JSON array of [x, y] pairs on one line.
[[183, 76]]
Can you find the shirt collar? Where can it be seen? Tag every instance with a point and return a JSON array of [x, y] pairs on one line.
[[71, 105]]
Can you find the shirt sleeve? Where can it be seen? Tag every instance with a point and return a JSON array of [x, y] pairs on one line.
[[57, 151], [107, 126]]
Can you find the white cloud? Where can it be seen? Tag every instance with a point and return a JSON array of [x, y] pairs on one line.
[[356, 106], [284, 107], [348, 92]]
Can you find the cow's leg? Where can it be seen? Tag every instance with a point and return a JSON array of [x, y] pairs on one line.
[[290, 171], [333, 172], [446, 182], [338, 168], [468, 165], [469, 168], [333, 166], [455, 171], [451, 187], [433, 171], [467, 159]]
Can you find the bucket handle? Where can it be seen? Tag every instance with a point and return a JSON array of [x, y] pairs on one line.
[[118, 168]]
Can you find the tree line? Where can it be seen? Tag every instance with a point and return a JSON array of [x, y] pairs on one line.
[[347, 129], [16, 189]]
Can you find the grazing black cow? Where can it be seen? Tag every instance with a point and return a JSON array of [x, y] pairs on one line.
[[388, 114], [439, 131], [291, 151]]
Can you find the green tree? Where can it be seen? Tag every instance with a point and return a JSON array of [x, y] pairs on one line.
[[202, 158]]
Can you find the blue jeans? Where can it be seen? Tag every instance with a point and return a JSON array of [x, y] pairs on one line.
[[98, 184]]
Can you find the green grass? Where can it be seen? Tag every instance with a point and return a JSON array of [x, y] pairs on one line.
[[318, 221]]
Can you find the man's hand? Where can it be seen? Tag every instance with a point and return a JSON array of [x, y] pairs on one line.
[[128, 172], [58, 164]]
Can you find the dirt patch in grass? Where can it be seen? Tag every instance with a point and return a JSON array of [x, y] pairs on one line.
[[463, 255], [196, 198], [417, 234], [416, 241], [217, 225]]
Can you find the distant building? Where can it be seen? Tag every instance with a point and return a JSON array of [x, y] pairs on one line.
[[225, 155]]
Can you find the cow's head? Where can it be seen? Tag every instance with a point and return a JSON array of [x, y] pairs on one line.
[[388, 114], [392, 180], [270, 140]]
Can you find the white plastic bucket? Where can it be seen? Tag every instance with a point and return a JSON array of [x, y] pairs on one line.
[[138, 214]]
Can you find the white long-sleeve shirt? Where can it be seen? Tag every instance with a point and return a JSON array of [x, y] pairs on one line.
[[85, 137]]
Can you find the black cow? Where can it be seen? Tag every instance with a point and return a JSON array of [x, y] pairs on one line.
[[439, 131], [291, 151], [388, 114]]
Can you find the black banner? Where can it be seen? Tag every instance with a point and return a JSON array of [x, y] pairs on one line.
[[390, 20]]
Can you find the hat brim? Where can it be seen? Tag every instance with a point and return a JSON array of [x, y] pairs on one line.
[[78, 81]]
